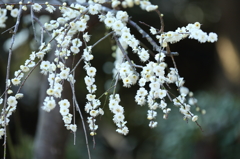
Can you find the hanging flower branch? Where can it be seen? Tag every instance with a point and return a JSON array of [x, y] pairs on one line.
[[68, 37]]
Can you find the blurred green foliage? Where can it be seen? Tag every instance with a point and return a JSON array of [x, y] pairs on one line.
[[173, 138]]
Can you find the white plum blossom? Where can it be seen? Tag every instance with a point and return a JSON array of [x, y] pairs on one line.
[[14, 12], [50, 8], [91, 71], [12, 101], [150, 73], [64, 103], [49, 104], [212, 37], [73, 127], [194, 118], [36, 7]]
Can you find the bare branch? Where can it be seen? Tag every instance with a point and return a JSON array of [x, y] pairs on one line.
[[7, 76]]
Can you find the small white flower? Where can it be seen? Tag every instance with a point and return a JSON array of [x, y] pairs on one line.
[[90, 97], [153, 30], [184, 91], [1, 100], [194, 118], [50, 91], [64, 74], [109, 21], [153, 124], [50, 8], [2, 132], [154, 86], [36, 7], [9, 7], [81, 25], [93, 9], [67, 118], [119, 117], [76, 42], [115, 3], [163, 105], [212, 37], [125, 130], [118, 109], [91, 71], [24, 7], [127, 82], [74, 49], [142, 82], [89, 80], [14, 12], [64, 111], [151, 114], [197, 25], [73, 127], [86, 37], [192, 101], [11, 101], [40, 54], [19, 95], [151, 8], [101, 112], [144, 55], [202, 37], [24, 68], [178, 101], [49, 104], [16, 81], [29, 63], [117, 25], [94, 113], [9, 91], [93, 127], [81, 1], [142, 92], [126, 36]]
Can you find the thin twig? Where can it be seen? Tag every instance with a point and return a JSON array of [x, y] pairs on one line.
[[123, 52], [188, 111], [29, 73], [74, 106], [80, 113], [161, 21], [102, 38], [39, 22], [156, 47], [76, 65], [33, 26], [117, 77], [7, 77], [8, 29]]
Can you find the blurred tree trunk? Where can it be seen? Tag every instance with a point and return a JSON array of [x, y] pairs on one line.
[[228, 45], [51, 135]]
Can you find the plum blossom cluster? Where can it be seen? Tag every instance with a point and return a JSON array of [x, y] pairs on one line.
[[192, 31], [3, 14], [118, 112], [11, 107], [66, 116], [154, 76], [92, 105], [55, 89], [69, 38]]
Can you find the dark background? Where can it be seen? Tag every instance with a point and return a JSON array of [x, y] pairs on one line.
[[211, 71]]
